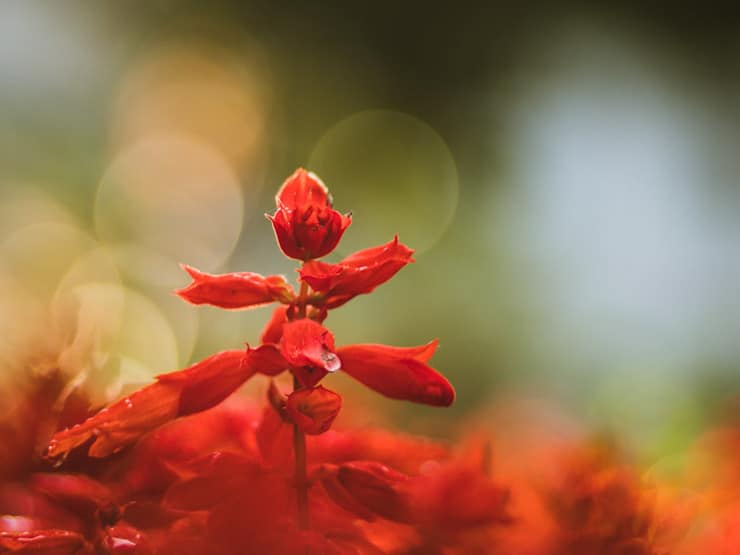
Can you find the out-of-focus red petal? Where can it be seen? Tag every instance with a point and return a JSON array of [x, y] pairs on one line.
[[45, 542], [196, 388], [217, 477], [275, 440], [398, 373], [374, 486], [313, 410], [454, 497], [236, 290], [357, 274], [78, 492], [274, 329], [125, 539], [309, 349]]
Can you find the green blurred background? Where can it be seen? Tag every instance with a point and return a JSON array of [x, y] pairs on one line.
[[568, 175]]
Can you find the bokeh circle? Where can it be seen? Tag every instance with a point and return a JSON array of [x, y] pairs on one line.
[[394, 172]]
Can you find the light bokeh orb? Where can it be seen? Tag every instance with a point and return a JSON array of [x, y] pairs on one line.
[[40, 254], [198, 90], [174, 195], [394, 172]]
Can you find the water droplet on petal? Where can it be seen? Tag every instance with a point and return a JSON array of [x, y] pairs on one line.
[[59, 460], [331, 361]]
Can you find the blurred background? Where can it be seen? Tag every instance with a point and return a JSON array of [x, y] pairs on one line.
[[568, 176]]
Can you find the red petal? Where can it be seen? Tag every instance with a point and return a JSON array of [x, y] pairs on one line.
[[234, 291], [357, 274], [391, 250], [266, 359], [283, 227], [196, 388], [75, 491], [45, 542], [301, 189], [122, 423], [398, 373], [274, 329], [375, 487], [210, 381], [313, 410]]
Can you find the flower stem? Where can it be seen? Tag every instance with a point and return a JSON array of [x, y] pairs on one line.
[[299, 438], [299, 451]]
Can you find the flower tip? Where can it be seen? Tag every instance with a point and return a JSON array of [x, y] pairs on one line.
[[193, 272]]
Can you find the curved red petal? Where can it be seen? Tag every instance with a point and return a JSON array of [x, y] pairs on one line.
[[358, 274], [196, 388], [45, 542], [396, 376], [376, 487], [265, 359], [210, 381], [235, 290], [274, 329], [76, 491], [122, 423], [393, 249], [283, 228], [301, 189]]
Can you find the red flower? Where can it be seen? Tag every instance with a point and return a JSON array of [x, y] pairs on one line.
[[313, 410], [305, 224], [307, 349], [194, 389], [357, 274], [237, 290]]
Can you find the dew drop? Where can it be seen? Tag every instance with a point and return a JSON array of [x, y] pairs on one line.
[[59, 460], [331, 362]]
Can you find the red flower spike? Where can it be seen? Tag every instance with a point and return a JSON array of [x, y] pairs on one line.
[[357, 274], [306, 226], [201, 386], [236, 290], [313, 410], [309, 349], [398, 373]]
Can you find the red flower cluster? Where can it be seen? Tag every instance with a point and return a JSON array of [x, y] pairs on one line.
[[294, 340]]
